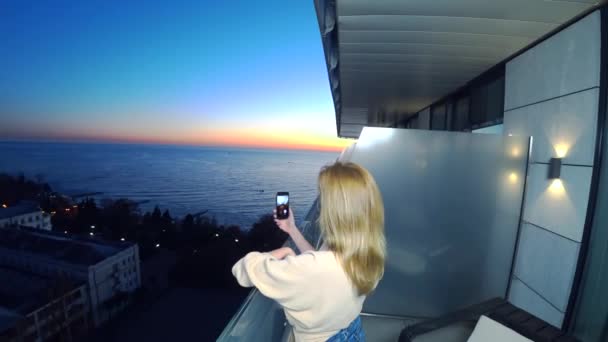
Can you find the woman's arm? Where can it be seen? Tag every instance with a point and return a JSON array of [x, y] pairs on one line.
[[284, 280], [288, 225], [282, 252], [300, 240]]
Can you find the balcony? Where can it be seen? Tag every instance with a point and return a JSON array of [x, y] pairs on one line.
[[448, 247]]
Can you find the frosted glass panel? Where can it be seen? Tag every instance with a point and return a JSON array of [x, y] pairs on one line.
[[452, 203], [259, 319], [496, 129]]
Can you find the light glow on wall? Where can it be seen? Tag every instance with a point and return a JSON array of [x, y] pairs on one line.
[[515, 152], [557, 187], [373, 135], [513, 177], [561, 150]]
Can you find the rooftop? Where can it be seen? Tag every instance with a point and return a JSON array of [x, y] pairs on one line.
[[7, 319], [72, 250], [21, 208], [22, 292]]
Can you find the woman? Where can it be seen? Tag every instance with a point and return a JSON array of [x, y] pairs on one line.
[[322, 292]]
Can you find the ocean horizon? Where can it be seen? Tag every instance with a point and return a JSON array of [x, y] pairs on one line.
[[233, 185]]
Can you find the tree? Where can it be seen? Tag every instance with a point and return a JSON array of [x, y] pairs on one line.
[[265, 235], [18, 188], [188, 224], [88, 216], [119, 217]]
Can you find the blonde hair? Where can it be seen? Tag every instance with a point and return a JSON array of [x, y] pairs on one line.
[[352, 222]]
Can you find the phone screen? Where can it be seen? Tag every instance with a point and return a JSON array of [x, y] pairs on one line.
[[282, 205]]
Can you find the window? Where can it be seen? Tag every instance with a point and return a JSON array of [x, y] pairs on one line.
[[438, 117], [487, 102], [460, 119], [414, 122]]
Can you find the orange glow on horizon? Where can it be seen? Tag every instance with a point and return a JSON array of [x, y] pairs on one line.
[[238, 137]]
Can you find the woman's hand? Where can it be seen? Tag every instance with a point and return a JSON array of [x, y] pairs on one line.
[[287, 225], [282, 252]]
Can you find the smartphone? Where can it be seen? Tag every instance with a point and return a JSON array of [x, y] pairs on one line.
[[282, 205]]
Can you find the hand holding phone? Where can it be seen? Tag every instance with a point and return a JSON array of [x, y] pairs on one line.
[[282, 210]]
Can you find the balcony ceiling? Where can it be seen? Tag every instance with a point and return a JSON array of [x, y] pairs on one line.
[[398, 56]]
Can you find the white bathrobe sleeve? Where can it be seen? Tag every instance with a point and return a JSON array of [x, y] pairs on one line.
[[282, 280]]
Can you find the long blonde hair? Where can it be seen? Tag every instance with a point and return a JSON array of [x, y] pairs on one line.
[[352, 222]]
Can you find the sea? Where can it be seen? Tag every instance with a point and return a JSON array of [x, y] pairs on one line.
[[233, 185]]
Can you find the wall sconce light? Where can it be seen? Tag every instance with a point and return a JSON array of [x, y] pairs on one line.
[[555, 168]]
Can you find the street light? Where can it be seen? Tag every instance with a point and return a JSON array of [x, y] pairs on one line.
[[122, 239]]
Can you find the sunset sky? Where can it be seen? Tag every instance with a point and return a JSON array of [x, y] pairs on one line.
[[244, 73]]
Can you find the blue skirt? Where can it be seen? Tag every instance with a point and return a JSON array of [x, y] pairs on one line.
[[352, 333]]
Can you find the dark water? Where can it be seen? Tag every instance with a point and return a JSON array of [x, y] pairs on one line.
[[235, 185]]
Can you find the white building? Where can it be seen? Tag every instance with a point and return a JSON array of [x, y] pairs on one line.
[[111, 271], [27, 214]]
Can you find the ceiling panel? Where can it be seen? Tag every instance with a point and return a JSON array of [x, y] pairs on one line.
[[424, 67], [499, 27], [474, 51], [350, 130], [356, 115], [399, 56], [422, 37], [557, 11]]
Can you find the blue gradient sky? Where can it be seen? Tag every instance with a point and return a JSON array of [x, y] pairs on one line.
[[247, 73]]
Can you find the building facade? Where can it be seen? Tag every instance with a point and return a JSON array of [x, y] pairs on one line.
[[26, 214], [109, 271]]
